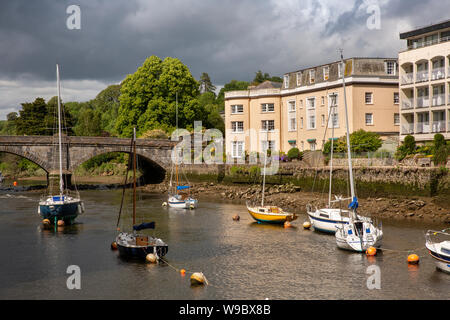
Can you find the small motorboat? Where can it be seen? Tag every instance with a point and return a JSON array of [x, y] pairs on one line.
[[182, 201], [439, 250]]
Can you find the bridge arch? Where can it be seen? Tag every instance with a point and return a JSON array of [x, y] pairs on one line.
[[24, 153]]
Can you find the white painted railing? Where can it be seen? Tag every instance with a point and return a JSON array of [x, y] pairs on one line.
[[438, 126], [438, 73], [423, 102], [438, 100], [407, 104], [422, 76], [407, 78], [408, 128]]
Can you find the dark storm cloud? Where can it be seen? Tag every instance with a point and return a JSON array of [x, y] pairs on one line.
[[228, 39]]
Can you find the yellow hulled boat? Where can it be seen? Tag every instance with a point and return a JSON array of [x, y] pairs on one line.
[[270, 214]]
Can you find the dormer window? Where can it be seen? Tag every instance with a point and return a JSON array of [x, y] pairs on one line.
[[286, 81], [390, 67], [299, 79], [312, 76]]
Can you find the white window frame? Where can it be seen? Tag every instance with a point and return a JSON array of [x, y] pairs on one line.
[[371, 119], [265, 127], [311, 114], [371, 97], [265, 107], [286, 81], [235, 149], [267, 145], [292, 115], [326, 73], [333, 121], [396, 117], [235, 126], [235, 108], [312, 76], [396, 97], [393, 69], [299, 79]]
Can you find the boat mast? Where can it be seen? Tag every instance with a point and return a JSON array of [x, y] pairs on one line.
[[61, 189], [332, 148], [264, 175], [350, 168], [134, 176], [176, 150]]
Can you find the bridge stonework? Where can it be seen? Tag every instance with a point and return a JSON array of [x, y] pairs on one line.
[[43, 150]]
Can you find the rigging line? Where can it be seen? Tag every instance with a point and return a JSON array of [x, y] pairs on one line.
[[124, 186]]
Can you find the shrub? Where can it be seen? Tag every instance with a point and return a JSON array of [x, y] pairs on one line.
[[408, 147], [440, 149], [293, 153]]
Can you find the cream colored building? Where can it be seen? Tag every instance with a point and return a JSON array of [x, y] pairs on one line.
[[297, 113], [425, 82]]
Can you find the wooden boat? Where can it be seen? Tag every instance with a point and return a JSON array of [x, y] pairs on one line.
[[439, 250], [132, 244], [62, 206]]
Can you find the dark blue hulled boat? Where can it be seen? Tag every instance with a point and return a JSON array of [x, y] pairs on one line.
[[132, 244], [56, 208], [61, 206]]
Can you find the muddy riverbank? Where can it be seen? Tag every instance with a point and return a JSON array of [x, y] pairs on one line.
[[293, 198]]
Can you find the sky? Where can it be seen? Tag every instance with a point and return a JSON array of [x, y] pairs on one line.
[[227, 39]]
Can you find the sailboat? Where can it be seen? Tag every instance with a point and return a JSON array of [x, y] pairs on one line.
[[439, 250], [61, 206], [131, 244], [176, 197], [359, 234], [327, 219], [268, 214]]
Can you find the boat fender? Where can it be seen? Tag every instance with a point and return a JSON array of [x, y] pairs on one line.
[[60, 223], [113, 245], [39, 210], [306, 225], [79, 209], [198, 278], [151, 258]]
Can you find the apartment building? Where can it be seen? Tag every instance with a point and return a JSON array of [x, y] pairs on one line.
[[301, 111], [425, 82]]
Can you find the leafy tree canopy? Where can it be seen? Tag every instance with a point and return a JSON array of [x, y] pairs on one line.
[[260, 77], [360, 141], [206, 84]]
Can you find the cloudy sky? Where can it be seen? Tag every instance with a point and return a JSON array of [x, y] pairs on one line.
[[227, 39]]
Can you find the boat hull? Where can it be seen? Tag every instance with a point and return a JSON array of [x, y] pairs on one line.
[[141, 252], [327, 225], [275, 218], [442, 261], [182, 204], [66, 211], [347, 238]]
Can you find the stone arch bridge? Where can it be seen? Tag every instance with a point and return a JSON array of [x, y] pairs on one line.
[[43, 150]]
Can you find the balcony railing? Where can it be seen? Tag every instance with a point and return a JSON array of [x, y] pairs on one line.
[[438, 73], [408, 78], [438, 126], [422, 76], [438, 100], [408, 128], [423, 102], [428, 43], [407, 104], [422, 127]]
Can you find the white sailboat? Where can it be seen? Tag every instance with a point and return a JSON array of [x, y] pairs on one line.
[[327, 219], [358, 234], [61, 206], [179, 195], [439, 248]]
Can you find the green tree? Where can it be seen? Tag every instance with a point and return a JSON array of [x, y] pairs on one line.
[[360, 141], [31, 120], [260, 77], [51, 118], [406, 148], [147, 97], [106, 103], [440, 150], [8, 126], [89, 123], [206, 84], [230, 86]]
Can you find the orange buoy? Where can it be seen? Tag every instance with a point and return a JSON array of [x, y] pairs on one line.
[[60, 223], [46, 222], [151, 258], [113, 245], [236, 217], [287, 224], [15, 183], [413, 259], [371, 251], [306, 225], [183, 272]]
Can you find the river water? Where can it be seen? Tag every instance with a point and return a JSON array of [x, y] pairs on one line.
[[240, 259]]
